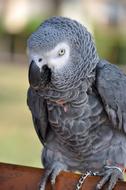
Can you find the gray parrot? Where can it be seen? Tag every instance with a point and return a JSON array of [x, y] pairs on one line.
[[78, 103]]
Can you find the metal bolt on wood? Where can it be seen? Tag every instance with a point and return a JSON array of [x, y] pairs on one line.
[[83, 177]]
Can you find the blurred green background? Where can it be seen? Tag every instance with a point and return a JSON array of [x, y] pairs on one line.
[[106, 19]]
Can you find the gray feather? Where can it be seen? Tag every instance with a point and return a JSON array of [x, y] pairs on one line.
[[111, 84], [38, 108]]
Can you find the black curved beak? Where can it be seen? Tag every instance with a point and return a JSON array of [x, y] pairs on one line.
[[34, 75], [39, 78]]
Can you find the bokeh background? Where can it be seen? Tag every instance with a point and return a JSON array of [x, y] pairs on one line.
[[105, 19]]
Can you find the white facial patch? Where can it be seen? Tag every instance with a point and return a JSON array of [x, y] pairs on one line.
[[55, 59]]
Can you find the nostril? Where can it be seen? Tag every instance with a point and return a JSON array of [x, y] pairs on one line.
[[40, 59]]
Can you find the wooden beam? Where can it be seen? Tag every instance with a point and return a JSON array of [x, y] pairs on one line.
[[14, 177]]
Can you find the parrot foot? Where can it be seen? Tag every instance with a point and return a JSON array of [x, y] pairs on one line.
[[51, 173], [111, 174]]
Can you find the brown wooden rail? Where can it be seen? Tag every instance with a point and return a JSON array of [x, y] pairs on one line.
[[13, 177]]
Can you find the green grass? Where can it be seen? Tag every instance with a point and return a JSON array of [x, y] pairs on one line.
[[19, 143]]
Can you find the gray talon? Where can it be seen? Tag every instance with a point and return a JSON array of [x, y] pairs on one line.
[[112, 175], [52, 173]]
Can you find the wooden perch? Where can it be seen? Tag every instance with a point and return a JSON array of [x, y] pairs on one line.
[[13, 177]]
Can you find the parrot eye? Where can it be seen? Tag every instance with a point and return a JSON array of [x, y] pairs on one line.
[[61, 52]]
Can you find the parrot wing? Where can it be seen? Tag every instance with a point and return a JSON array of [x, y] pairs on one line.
[[38, 109], [111, 86]]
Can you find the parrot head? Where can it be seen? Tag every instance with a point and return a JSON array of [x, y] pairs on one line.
[[61, 53]]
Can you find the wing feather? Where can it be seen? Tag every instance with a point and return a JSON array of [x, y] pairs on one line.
[[111, 85], [39, 112]]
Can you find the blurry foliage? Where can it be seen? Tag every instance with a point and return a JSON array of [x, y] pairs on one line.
[[32, 25], [2, 29], [111, 44]]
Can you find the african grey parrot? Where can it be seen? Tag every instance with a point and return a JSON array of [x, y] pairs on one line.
[[77, 101]]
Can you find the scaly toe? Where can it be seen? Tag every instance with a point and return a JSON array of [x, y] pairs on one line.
[[103, 181], [111, 174], [44, 179]]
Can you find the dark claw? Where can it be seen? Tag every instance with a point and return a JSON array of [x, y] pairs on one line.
[[56, 170], [112, 175], [103, 181], [53, 172], [44, 179], [112, 182]]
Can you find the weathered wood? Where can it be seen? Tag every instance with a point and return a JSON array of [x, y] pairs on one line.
[[13, 177]]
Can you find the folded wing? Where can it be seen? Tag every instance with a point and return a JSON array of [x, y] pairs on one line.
[[111, 86], [38, 109]]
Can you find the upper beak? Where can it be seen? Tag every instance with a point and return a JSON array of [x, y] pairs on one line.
[[39, 78], [34, 75]]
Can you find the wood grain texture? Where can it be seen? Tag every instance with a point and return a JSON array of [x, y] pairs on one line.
[[14, 177]]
